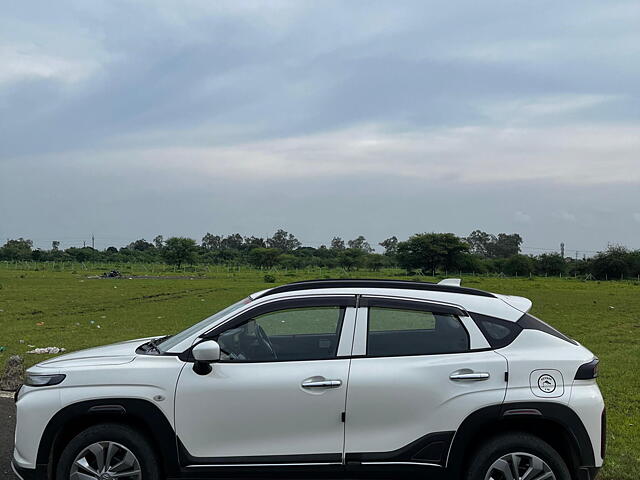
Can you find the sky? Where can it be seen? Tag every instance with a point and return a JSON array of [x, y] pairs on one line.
[[131, 119]]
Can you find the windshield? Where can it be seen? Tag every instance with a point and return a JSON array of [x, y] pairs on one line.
[[174, 340]]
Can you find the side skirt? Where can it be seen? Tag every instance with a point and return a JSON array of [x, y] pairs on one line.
[[426, 454]]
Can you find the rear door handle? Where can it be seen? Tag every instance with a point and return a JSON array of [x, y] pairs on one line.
[[321, 383], [469, 376]]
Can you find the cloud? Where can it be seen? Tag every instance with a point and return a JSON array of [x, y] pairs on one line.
[[476, 104], [636, 217], [25, 62], [474, 155]]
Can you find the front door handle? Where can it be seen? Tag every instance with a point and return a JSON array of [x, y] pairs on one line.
[[469, 376], [321, 383]]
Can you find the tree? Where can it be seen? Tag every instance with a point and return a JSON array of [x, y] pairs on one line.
[[140, 245], [375, 261], [488, 245], [284, 241], [390, 245], [19, 249], [179, 250], [158, 241], [360, 243], [481, 243], [518, 265], [612, 263], [211, 242], [232, 242], [430, 251], [254, 242], [84, 254], [351, 258], [337, 243], [551, 264], [55, 245], [264, 257], [506, 245]]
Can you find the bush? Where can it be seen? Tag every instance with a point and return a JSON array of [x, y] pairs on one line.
[[269, 279]]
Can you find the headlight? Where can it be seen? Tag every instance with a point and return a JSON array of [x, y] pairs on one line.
[[43, 380]]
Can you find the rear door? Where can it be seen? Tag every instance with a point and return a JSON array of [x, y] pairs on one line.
[[418, 371]]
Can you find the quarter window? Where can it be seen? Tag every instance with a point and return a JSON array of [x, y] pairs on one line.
[[397, 332], [309, 333], [499, 333]]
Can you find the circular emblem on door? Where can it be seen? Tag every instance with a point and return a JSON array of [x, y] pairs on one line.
[[547, 383]]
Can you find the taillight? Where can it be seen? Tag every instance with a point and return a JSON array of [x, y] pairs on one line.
[[588, 370]]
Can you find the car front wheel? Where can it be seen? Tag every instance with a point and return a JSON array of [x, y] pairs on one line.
[[517, 456], [108, 452]]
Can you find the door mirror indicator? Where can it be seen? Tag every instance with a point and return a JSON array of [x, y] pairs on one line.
[[204, 354]]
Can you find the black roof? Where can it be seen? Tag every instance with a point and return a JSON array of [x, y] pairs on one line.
[[375, 283]]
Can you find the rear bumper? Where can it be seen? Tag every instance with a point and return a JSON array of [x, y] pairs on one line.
[[588, 473], [39, 473]]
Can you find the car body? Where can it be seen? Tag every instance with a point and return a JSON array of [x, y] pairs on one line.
[[330, 378]]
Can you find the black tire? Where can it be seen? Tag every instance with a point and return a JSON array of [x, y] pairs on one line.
[[123, 435], [516, 442]]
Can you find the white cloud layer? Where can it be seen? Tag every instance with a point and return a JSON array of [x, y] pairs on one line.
[[25, 62], [572, 155]]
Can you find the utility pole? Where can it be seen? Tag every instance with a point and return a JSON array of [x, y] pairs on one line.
[[562, 249], [93, 242]]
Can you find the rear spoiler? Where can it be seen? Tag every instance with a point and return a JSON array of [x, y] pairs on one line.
[[519, 303]]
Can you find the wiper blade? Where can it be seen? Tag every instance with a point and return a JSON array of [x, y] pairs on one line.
[[153, 344]]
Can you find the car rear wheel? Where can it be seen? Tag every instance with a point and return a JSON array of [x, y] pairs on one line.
[[108, 452], [517, 456]]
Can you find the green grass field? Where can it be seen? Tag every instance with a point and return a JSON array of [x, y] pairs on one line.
[[67, 309]]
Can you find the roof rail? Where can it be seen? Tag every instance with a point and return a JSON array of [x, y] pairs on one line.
[[374, 283]]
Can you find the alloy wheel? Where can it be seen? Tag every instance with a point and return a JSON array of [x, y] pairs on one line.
[[106, 461], [520, 466]]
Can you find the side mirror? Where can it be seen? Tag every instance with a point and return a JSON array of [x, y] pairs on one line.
[[204, 354]]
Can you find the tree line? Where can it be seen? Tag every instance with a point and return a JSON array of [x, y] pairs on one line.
[[427, 253]]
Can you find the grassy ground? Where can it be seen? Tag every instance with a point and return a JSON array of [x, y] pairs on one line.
[[67, 309]]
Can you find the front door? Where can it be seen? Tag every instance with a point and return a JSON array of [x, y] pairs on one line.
[[278, 393]]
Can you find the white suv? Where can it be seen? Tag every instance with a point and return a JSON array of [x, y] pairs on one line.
[[333, 378]]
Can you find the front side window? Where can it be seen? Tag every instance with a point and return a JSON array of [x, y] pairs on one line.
[[397, 332], [171, 341], [306, 333]]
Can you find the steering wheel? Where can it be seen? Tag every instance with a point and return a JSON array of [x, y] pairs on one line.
[[264, 339], [232, 356]]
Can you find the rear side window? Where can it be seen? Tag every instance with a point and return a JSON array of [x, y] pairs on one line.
[[530, 322], [398, 332], [499, 333]]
